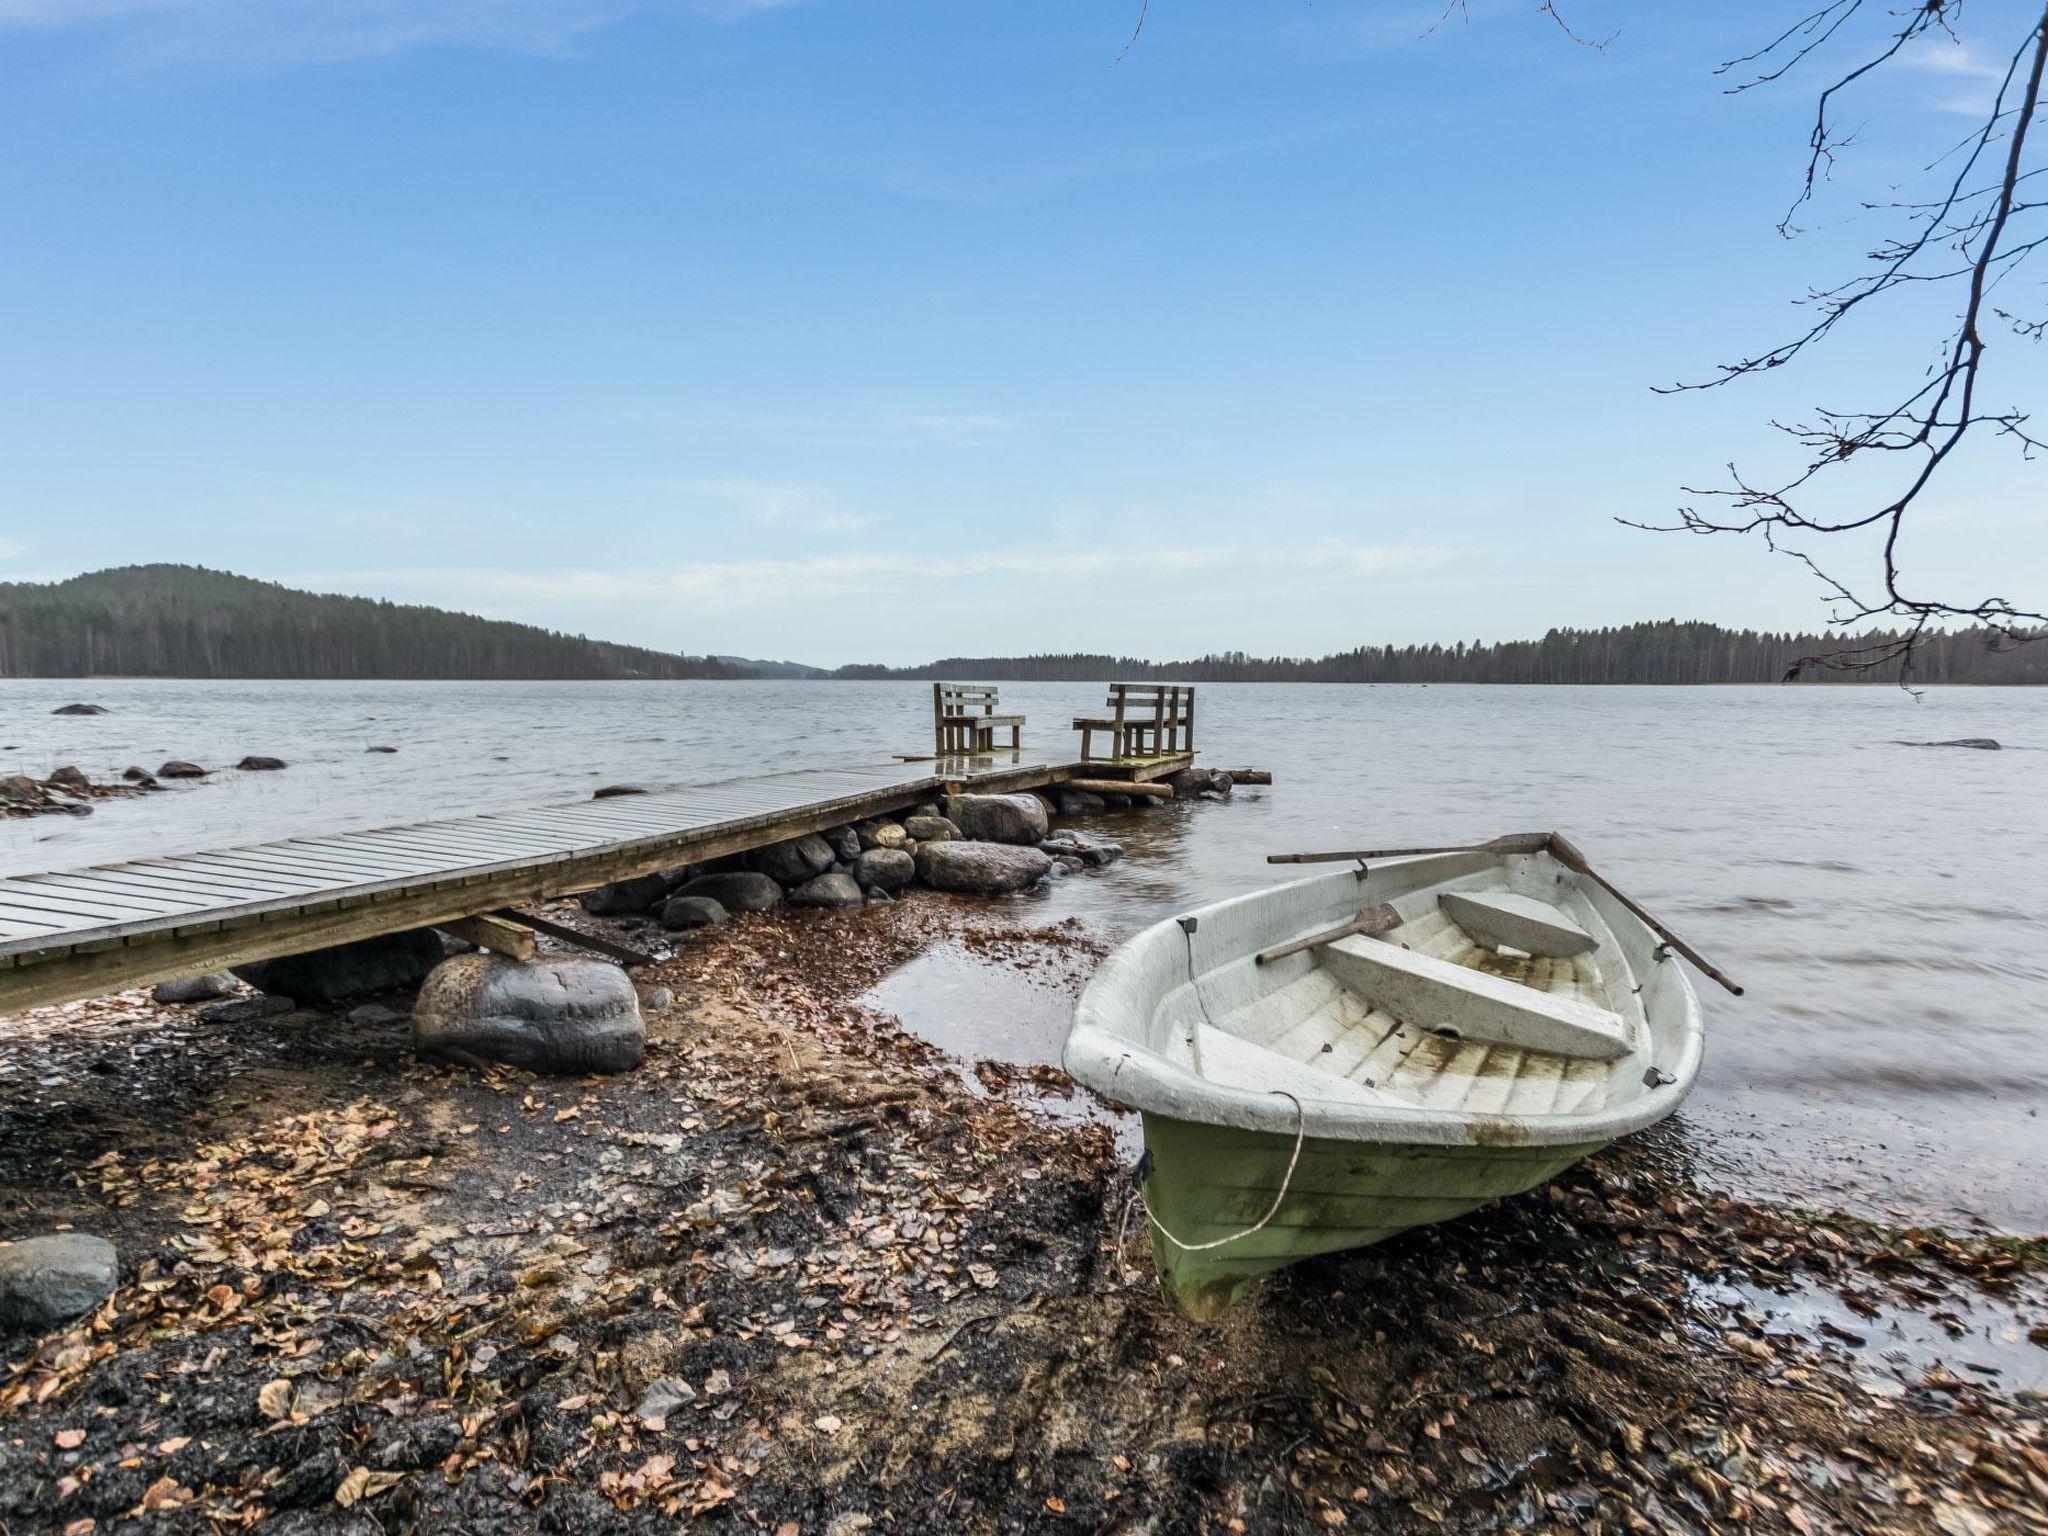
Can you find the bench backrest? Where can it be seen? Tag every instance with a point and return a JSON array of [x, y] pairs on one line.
[[953, 699], [1158, 697]]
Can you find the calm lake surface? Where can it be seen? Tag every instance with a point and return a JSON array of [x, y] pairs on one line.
[[1886, 905]]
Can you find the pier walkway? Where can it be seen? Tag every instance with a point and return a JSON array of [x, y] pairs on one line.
[[86, 932]]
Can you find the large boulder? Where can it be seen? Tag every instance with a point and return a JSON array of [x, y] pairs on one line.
[[980, 869], [999, 818], [194, 989], [885, 869], [566, 1014], [793, 862], [930, 829], [348, 970], [624, 897], [681, 914], [737, 890], [829, 890], [45, 1281]]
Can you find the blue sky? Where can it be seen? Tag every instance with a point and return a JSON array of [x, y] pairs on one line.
[[874, 331]]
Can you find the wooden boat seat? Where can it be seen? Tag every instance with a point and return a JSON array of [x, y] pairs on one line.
[[1461, 1003], [1497, 918]]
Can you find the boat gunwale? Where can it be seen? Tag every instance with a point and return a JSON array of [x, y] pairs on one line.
[[1119, 1067]]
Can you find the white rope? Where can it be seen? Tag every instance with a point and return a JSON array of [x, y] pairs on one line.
[[1300, 1131]]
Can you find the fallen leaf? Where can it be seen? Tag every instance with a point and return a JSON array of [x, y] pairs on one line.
[[274, 1400], [70, 1439]]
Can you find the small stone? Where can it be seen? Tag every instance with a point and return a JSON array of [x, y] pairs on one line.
[[253, 764], [655, 999], [828, 890], [194, 989], [680, 914], [887, 869], [566, 1014], [177, 768], [45, 1281]]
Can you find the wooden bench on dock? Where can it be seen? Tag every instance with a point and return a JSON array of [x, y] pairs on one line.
[[965, 722], [1146, 720]]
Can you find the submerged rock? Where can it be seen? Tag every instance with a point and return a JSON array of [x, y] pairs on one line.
[[680, 914], [566, 1014], [793, 862], [142, 778], [348, 970], [884, 869], [831, 890], [178, 768], [738, 890], [641, 894], [999, 818], [194, 989], [1080, 802], [380, 749], [79, 709], [1980, 743], [980, 869], [254, 764], [45, 1281], [1095, 852], [608, 791]]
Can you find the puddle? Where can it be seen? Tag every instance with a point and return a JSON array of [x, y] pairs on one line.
[[1011, 1010], [1972, 1336]]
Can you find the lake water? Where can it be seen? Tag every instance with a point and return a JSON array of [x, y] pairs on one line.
[[1885, 905]]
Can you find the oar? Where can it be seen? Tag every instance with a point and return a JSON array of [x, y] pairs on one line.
[[1558, 847], [1372, 922], [1562, 850], [1514, 842]]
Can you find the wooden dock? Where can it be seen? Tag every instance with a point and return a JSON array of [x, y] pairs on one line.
[[87, 932]]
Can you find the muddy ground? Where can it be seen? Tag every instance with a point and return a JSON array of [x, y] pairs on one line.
[[801, 1273]]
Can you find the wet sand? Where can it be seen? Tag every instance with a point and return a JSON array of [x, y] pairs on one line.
[[806, 1271]]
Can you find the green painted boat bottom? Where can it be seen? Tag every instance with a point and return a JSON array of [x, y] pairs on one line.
[[1208, 1182]]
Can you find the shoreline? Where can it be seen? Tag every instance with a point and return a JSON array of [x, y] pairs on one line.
[[864, 1296]]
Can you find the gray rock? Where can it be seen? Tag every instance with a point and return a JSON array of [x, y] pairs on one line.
[[980, 869], [877, 897], [19, 789], [1981, 743], [70, 778], [611, 791], [655, 999], [46, 1281], [887, 869], [1081, 802], [1061, 868], [927, 808], [177, 768], [930, 829], [640, 894], [348, 970], [247, 1010], [793, 862], [1095, 852], [566, 1014], [1221, 783], [738, 890], [680, 914], [380, 749], [845, 844], [193, 989], [79, 709], [881, 834], [1189, 782], [999, 818], [829, 890], [661, 1399], [253, 764]]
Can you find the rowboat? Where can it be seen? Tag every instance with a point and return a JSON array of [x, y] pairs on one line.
[[1322, 1064]]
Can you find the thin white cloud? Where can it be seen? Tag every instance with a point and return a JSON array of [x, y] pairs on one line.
[[779, 583], [11, 548], [785, 504], [895, 427], [271, 32]]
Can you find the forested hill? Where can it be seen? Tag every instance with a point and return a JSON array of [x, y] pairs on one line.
[[186, 621], [1657, 652]]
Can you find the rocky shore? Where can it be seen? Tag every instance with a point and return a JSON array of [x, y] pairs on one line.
[[798, 1273]]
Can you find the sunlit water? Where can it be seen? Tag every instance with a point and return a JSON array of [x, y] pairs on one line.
[[1884, 904]]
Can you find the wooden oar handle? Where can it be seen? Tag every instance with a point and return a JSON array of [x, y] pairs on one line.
[[1566, 853]]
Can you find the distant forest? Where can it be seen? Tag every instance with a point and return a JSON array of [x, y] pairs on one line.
[[1666, 651], [187, 621]]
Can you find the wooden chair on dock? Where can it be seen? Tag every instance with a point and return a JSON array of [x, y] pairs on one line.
[[1146, 720], [965, 722]]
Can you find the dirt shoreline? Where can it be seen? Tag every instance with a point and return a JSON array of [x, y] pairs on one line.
[[796, 1275]]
